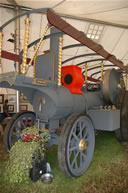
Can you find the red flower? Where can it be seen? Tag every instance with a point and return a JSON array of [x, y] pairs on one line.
[[28, 137]]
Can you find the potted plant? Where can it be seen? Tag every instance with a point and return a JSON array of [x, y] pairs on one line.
[[27, 157]]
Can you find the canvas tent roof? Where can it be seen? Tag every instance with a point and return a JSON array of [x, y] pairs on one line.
[[115, 11]]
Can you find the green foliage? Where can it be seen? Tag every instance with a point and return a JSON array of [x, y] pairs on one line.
[[22, 155]]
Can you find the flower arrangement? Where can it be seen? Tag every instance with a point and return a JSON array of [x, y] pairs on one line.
[[24, 153]]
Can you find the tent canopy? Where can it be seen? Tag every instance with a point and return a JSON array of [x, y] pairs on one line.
[[115, 11]]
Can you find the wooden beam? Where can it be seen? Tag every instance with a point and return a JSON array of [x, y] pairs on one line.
[[13, 57]]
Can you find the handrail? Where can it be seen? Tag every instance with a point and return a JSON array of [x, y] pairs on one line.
[[37, 40], [79, 56], [96, 73], [87, 61], [21, 15]]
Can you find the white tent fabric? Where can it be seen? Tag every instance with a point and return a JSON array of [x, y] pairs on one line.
[[115, 11]]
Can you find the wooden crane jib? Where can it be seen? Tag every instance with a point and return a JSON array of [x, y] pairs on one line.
[[68, 29]]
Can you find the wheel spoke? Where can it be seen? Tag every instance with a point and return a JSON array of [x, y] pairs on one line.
[[85, 134], [82, 127], [81, 158], [76, 137], [83, 155], [75, 158], [17, 127], [79, 130], [26, 121], [76, 165], [80, 133], [72, 148], [72, 142], [23, 124], [31, 122]]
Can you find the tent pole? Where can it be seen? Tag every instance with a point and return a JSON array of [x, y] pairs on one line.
[[17, 50]]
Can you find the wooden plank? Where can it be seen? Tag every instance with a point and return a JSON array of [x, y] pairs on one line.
[[14, 57]]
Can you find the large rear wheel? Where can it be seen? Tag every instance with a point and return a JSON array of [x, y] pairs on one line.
[[122, 132], [76, 145], [15, 126]]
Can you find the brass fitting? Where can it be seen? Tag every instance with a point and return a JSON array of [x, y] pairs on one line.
[[82, 145], [86, 72], [118, 85], [60, 61], [1, 42], [26, 40], [34, 63], [39, 43], [102, 68]]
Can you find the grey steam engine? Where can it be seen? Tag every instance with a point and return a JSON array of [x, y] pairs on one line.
[[63, 100]]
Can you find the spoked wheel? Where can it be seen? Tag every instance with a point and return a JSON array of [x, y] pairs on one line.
[[122, 132], [15, 126], [76, 145]]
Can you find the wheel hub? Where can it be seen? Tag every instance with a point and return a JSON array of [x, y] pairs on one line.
[[82, 145]]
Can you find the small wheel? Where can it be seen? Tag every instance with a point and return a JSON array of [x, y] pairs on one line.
[[122, 132], [76, 145], [15, 126]]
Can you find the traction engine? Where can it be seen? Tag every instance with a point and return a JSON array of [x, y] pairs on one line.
[[61, 98]]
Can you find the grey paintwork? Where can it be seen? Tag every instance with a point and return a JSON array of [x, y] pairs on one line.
[[59, 101], [45, 70], [105, 119]]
